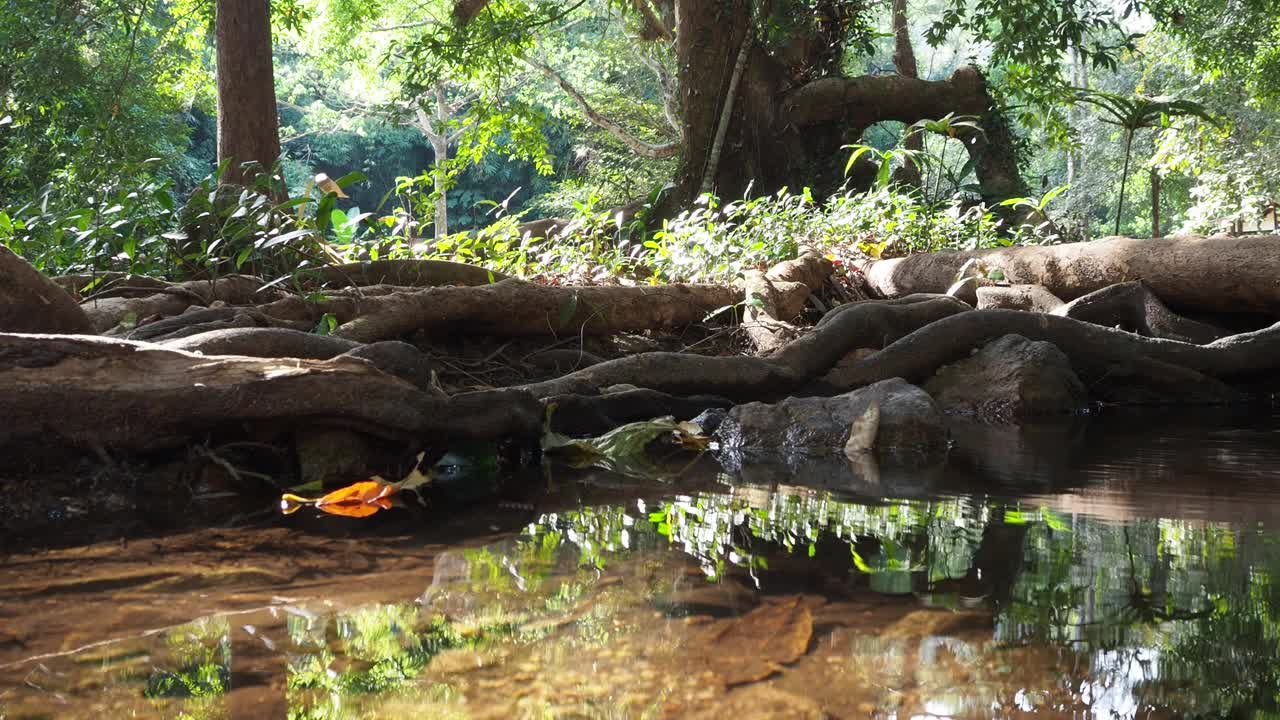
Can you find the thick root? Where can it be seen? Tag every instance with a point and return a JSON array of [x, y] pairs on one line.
[[30, 302], [95, 392], [1219, 274]]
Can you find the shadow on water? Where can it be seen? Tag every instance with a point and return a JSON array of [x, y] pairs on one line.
[[1120, 566]]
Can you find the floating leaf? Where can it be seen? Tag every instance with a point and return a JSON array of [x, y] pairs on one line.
[[622, 449], [361, 499]]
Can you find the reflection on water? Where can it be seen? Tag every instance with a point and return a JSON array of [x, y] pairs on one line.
[[1071, 597]]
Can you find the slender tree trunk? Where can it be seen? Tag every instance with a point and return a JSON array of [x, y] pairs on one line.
[[1124, 178], [434, 128], [1074, 158], [904, 59], [248, 124], [439, 170], [1155, 203]]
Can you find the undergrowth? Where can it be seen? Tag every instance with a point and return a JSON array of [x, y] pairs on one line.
[[144, 229]]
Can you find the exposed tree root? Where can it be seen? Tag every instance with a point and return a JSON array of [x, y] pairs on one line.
[[105, 313], [96, 392], [1133, 307], [254, 368], [30, 302], [195, 321], [405, 273], [1183, 371], [1029, 298], [1221, 274], [862, 325], [513, 308], [264, 343], [774, 299], [1130, 306]]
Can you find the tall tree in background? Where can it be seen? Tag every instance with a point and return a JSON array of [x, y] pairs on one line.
[[248, 124], [904, 60]]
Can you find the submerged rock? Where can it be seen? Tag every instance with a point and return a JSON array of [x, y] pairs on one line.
[[1009, 378], [891, 417]]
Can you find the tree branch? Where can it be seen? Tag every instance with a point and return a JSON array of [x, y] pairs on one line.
[[640, 147], [654, 28]]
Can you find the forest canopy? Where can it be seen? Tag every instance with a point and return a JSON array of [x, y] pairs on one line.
[[442, 117]]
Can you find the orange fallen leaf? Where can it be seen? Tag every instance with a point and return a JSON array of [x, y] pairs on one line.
[[361, 499]]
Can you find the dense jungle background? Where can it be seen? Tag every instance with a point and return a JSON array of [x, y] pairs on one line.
[[535, 110]]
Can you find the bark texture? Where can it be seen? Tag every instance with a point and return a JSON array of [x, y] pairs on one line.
[[30, 302], [1219, 273], [513, 308], [248, 125], [95, 392]]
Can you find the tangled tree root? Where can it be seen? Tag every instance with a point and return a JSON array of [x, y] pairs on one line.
[[247, 363], [96, 392]]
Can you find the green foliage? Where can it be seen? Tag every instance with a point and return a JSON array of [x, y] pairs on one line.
[[1027, 41], [1236, 40], [714, 243], [87, 90], [1135, 113]]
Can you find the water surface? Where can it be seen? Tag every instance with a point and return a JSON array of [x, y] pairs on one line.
[[1123, 566]]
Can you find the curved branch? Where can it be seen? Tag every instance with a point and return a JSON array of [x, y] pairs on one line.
[[859, 102], [640, 147]]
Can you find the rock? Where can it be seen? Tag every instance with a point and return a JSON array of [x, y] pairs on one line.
[[32, 303], [402, 360], [909, 422], [335, 455], [1009, 378], [1032, 298]]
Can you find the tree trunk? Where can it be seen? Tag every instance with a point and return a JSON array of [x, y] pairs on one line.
[[904, 60], [248, 125], [439, 168], [788, 127], [1124, 178]]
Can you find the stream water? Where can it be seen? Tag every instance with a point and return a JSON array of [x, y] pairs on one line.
[[1125, 566]]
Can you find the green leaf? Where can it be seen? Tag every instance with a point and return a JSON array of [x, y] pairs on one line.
[[354, 176], [858, 562], [164, 199], [243, 256], [293, 203], [324, 211], [886, 170], [328, 323]]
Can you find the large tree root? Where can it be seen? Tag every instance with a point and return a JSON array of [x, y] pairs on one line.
[[862, 325], [202, 320], [30, 302], [774, 299], [513, 308], [94, 392], [105, 313], [1183, 372], [405, 273], [1130, 306], [1222, 274]]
